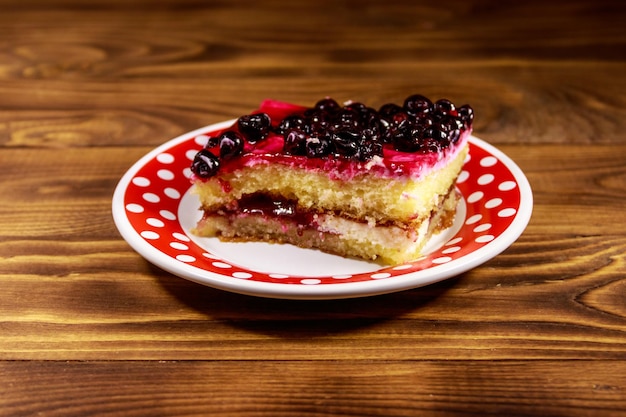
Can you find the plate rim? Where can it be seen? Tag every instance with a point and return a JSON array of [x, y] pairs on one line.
[[411, 280]]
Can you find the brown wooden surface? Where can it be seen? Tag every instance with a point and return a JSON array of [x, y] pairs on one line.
[[88, 327]]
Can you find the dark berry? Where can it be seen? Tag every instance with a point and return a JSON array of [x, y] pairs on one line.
[[294, 121], [400, 119], [388, 110], [212, 142], [437, 135], [345, 143], [356, 106], [417, 104], [317, 121], [430, 145], [231, 144], [451, 126], [317, 147], [295, 142], [369, 149], [406, 140], [347, 119], [444, 107], [466, 114], [205, 164], [327, 104], [254, 127]]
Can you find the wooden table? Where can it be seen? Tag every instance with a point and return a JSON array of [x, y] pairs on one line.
[[88, 327]]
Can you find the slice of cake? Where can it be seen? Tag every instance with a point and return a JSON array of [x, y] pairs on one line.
[[345, 179]]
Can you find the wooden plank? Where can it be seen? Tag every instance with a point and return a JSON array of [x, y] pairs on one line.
[[288, 388]]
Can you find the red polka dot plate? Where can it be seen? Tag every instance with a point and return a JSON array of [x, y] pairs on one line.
[[154, 212]]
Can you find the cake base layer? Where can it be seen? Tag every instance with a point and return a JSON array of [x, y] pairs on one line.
[[392, 243], [364, 197]]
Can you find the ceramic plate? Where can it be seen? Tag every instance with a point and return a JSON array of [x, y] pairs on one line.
[[154, 211]]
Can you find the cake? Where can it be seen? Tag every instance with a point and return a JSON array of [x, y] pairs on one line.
[[342, 178]]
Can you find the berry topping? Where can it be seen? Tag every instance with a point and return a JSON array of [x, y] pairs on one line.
[[444, 107], [466, 114], [317, 147], [231, 144], [351, 132], [295, 142], [254, 127], [327, 104], [418, 104], [205, 164], [294, 121]]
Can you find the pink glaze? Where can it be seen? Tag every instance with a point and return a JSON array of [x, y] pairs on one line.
[[393, 164]]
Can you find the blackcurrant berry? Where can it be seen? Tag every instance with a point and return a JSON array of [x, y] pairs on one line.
[[345, 143], [231, 144], [388, 110], [254, 127], [205, 164], [295, 142], [327, 104], [294, 121], [406, 140], [466, 114], [444, 107], [369, 149], [417, 104], [317, 147]]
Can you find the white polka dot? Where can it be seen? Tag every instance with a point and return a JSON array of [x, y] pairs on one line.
[[165, 174], [310, 281], [452, 249], [185, 258], [179, 246], [475, 196], [187, 172], [486, 179], [180, 236], [494, 202], [482, 228], [210, 255], [165, 158], [278, 276], [484, 238], [151, 198], [474, 219], [468, 157], [442, 260], [141, 181], [134, 208], [402, 267], [166, 214], [172, 193], [221, 265], [201, 140], [488, 161], [155, 222], [191, 154], [381, 275], [241, 275], [507, 186], [463, 176], [149, 235], [454, 241], [508, 212]]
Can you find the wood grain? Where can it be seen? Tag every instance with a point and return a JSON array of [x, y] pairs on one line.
[[290, 388], [88, 327]]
